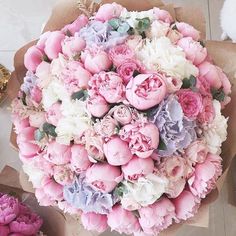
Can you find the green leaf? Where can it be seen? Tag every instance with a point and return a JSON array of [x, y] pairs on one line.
[[189, 82], [219, 94], [49, 129], [82, 94], [123, 28], [45, 58], [143, 24], [131, 31], [162, 145], [39, 135], [114, 23]]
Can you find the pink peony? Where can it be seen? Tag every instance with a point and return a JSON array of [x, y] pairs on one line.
[[133, 43], [63, 175], [175, 188], [205, 176], [191, 102], [208, 113], [108, 11], [19, 123], [94, 222], [173, 84], [33, 57], [186, 205], [42, 40], [122, 220], [79, 158], [54, 114], [194, 51], [37, 119], [121, 114], [117, 151], [188, 31], [146, 90], [4, 230], [203, 86], [58, 154], [121, 53], [53, 44], [104, 177], [137, 167], [109, 85], [162, 15], [43, 72], [95, 60], [26, 135], [143, 139], [157, 216]]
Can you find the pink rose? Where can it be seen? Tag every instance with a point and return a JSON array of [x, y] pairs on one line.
[[123, 221], [4, 230], [43, 198], [188, 31], [109, 85], [137, 167], [97, 106], [120, 53], [33, 57], [37, 119], [19, 123], [205, 176], [186, 205], [108, 11], [208, 113], [36, 94], [79, 159], [191, 102], [58, 154], [143, 139], [194, 51], [76, 26], [146, 90], [104, 177], [157, 217], [63, 175], [53, 44], [121, 114], [95, 60], [162, 15], [53, 114], [94, 222], [71, 46], [117, 151], [173, 84], [42, 40]]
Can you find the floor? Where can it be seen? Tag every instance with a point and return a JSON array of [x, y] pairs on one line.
[[24, 20]]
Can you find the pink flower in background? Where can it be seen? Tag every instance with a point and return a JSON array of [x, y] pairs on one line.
[[95, 60], [157, 216], [191, 102], [53, 114], [109, 85], [205, 176], [36, 94], [33, 57], [117, 151], [58, 154], [19, 123], [94, 222], [5, 231], [208, 113], [104, 177], [137, 167], [146, 90], [121, 114], [53, 44], [108, 11], [63, 175], [194, 51], [162, 15], [143, 139], [186, 205], [123, 221], [188, 31], [37, 119]]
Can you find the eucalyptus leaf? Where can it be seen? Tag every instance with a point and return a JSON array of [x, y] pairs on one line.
[[114, 23], [39, 135], [143, 24], [82, 94], [189, 82], [219, 94], [123, 28], [49, 129]]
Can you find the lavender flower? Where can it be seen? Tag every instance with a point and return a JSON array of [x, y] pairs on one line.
[[84, 197], [176, 131], [29, 82]]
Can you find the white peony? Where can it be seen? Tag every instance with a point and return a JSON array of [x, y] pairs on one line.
[[161, 55], [215, 133], [158, 29], [58, 65]]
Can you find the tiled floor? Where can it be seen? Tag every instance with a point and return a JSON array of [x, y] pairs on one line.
[[21, 21]]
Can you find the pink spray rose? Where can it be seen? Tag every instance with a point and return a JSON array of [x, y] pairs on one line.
[[53, 114], [123, 221], [94, 222], [188, 31], [72, 46], [53, 44], [191, 102], [4, 230], [121, 114], [63, 175], [97, 106], [194, 51], [117, 151], [104, 177], [109, 85], [33, 57], [205, 176], [157, 216], [95, 60], [186, 205], [120, 53], [146, 90], [108, 11], [79, 158], [162, 15], [137, 167], [143, 139], [19, 123], [37, 119], [59, 154]]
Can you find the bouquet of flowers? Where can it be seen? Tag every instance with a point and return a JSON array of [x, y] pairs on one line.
[[119, 120]]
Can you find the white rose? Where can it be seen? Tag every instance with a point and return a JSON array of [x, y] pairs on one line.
[[161, 55]]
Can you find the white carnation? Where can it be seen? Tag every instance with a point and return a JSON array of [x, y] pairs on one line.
[[161, 55]]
